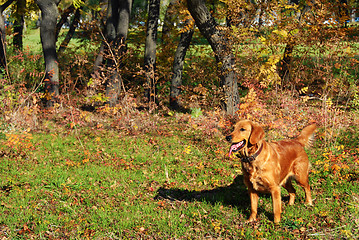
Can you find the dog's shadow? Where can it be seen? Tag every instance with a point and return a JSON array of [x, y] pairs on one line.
[[235, 195]]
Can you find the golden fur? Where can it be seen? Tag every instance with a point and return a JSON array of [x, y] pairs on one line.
[[273, 164]]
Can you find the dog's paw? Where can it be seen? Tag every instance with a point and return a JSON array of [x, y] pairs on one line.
[[251, 220], [309, 204]]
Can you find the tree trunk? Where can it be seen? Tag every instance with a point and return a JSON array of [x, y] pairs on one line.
[[168, 23], [63, 19], [176, 81], [99, 59], [221, 48], [116, 34], [285, 64], [18, 32], [150, 48], [114, 80], [19, 24], [3, 64], [100, 56], [71, 31], [49, 14]]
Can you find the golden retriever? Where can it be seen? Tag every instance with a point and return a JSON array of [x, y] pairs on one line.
[[267, 166]]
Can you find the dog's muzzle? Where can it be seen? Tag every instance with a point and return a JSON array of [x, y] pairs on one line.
[[235, 147]]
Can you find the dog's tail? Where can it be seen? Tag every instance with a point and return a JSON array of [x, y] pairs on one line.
[[306, 137]]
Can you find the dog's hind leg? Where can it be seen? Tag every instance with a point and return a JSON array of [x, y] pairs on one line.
[[289, 187], [301, 177], [303, 181]]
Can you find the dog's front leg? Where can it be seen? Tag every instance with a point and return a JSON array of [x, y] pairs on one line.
[[254, 205], [277, 202]]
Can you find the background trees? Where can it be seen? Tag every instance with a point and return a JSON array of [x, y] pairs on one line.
[[150, 47], [222, 49], [3, 64], [258, 45], [118, 18], [49, 14]]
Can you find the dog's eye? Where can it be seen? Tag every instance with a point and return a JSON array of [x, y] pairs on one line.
[[242, 129]]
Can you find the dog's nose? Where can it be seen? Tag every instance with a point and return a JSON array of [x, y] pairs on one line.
[[229, 138]]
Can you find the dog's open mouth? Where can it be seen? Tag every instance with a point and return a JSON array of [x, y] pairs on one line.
[[235, 147]]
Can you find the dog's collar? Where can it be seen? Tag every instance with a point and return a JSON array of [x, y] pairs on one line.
[[248, 159]]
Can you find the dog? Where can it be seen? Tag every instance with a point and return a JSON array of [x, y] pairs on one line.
[[267, 166]]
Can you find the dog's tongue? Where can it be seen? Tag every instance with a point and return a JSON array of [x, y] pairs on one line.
[[235, 147]]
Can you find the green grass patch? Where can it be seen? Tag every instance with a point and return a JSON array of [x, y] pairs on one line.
[[32, 40], [99, 183]]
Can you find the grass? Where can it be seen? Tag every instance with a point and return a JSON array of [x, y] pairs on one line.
[[32, 40], [172, 181]]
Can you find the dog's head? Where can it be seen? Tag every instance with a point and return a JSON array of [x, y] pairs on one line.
[[246, 134]]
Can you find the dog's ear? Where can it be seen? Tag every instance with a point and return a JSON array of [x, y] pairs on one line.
[[257, 133]]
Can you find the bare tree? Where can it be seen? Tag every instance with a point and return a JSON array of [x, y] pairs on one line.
[[178, 62], [3, 65], [49, 14], [150, 48], [285, 64], [19, 23], [75, 21], [168, 22], [63, 19], [222, 50], [118, 18]]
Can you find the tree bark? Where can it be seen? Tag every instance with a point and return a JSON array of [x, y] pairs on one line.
[[18, 32], [49, 14], [3, 64], [176, 81], [285, 64], [100, 56], [63, 19], [150, 48], [168, 23], [71, 31], [99, 59], [19, 24], [116, 34], [221, 48]]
